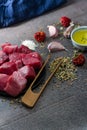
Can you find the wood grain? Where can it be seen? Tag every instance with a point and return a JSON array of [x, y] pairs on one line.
[[30, 98], [61, 106]]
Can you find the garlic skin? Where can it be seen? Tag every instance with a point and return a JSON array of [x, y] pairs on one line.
[[68, 30], [30, 44], [53, 32], [55, 46]]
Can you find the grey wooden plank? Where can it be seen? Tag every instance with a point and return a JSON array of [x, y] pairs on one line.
[[59, 108], [51, 95], [70, 114], [25, 30]]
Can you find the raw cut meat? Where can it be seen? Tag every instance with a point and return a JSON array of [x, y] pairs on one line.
[[3, 57], [18, 67], [14, 56], [16, 84], [17, 58], [5, 44], [35, 62], [8, 68], [19, 64], [27, 72], [24, 49], [10, 49], [3, 81], [35, 55], [55, 46], [22, 55]]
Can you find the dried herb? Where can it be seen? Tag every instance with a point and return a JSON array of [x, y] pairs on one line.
[[66, 70]]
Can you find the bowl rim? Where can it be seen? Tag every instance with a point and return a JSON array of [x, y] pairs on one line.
[[75, 30]]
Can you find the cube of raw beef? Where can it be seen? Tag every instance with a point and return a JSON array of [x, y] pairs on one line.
[[24, 49], [8, 68], [16, 57], [3, 81], [3, 57], [5, 44], [16, 84], [10, 49], [19, 64], [35, 55], [28, 72], [35, 62]]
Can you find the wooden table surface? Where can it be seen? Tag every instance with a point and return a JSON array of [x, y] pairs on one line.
[[61, 106]]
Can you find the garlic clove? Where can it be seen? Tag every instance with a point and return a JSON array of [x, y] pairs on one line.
[[55, 46], [53, 32], [68, 30]]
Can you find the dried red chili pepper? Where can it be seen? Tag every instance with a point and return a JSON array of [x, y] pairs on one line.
[[40, 36], [65, 21], [79, 60]]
